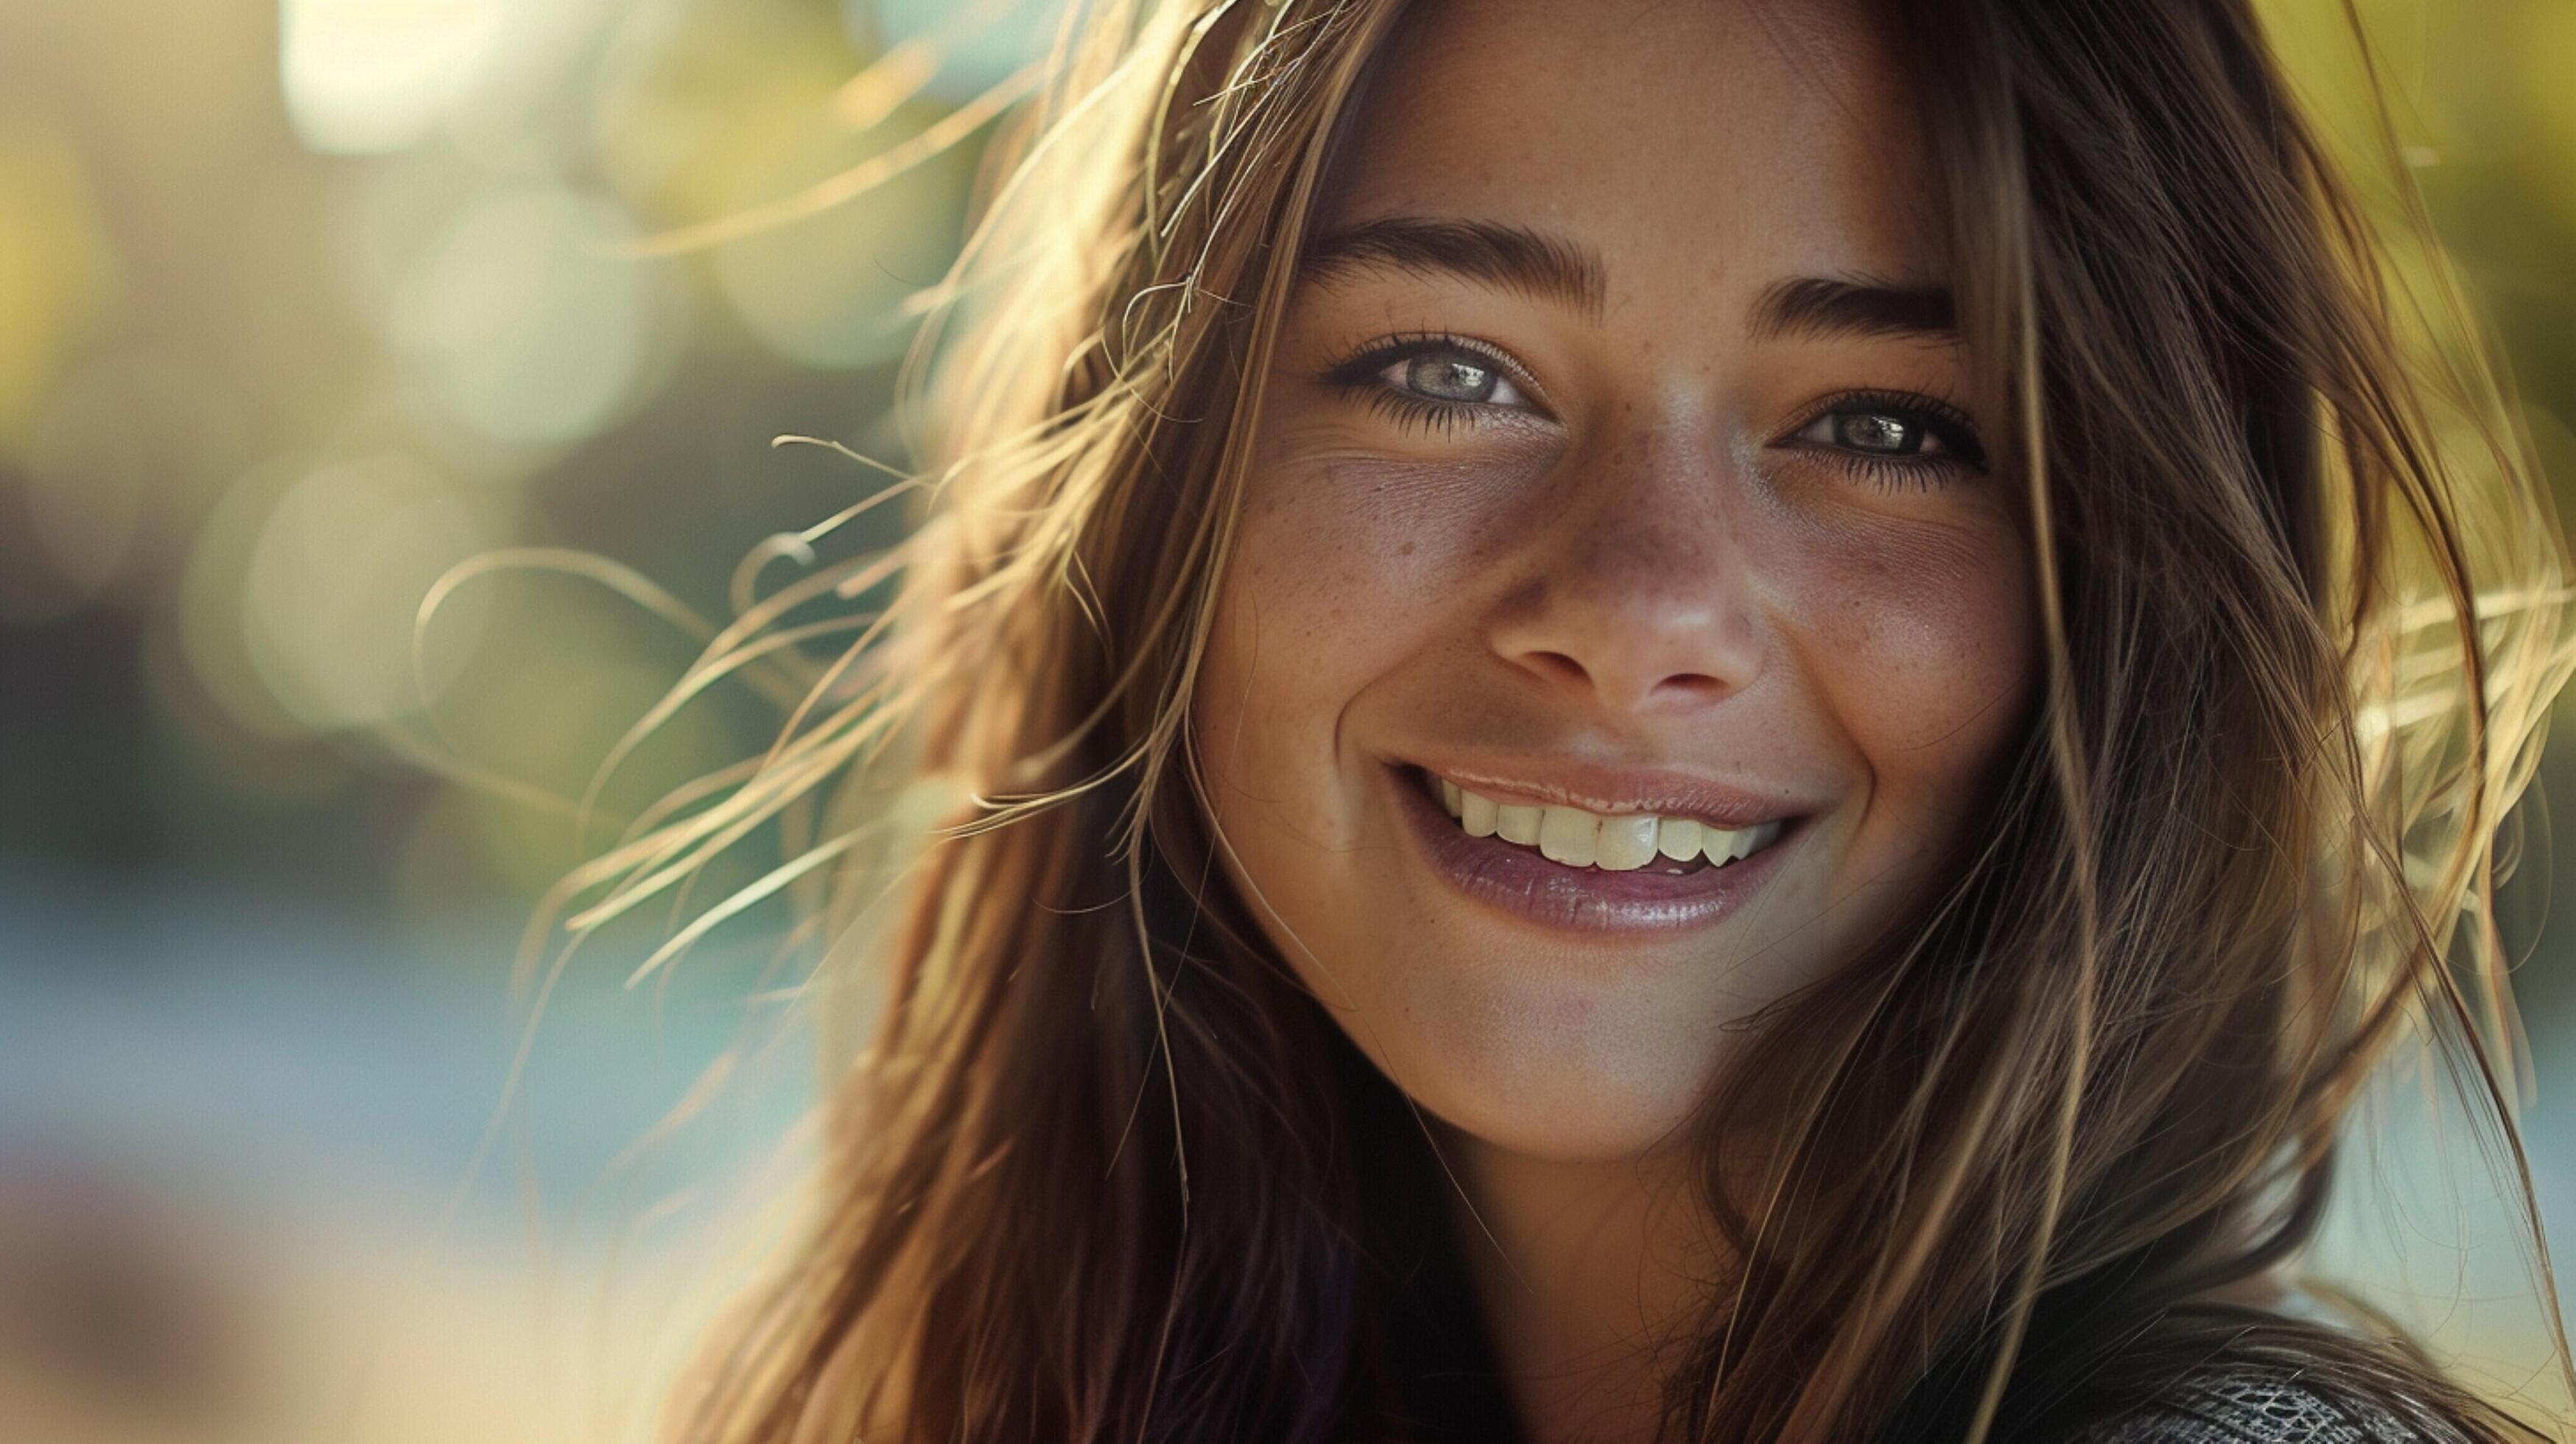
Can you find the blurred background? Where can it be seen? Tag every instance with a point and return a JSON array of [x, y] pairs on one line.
[[303, 304]]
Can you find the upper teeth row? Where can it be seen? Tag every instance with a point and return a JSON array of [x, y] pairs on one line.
[[1619, 842]]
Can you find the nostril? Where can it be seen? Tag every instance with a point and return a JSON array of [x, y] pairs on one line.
[[1696, 684], [1556, 666], [1565, 669]]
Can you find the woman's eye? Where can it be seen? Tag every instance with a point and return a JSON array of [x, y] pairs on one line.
[[1914, 441], [1435, 383], [1457, 377], [1873, 432]]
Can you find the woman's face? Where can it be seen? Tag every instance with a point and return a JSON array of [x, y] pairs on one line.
[[1616, 471]]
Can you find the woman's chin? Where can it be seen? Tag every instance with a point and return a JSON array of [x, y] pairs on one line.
[[1581, 1116], [1531, 1054]]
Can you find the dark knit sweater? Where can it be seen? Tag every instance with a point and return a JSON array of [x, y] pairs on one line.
[[2249, 1406]]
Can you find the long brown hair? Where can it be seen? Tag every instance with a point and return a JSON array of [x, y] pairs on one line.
[[1104, 1170]]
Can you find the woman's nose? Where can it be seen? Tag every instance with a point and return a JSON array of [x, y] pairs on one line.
[[1640, 598]]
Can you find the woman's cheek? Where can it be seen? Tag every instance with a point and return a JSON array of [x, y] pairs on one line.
[[1314, 603], [1351, 560], [1349, 566], [1922, 638]]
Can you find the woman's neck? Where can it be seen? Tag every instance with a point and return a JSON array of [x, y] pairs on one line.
[[1585, 1269]]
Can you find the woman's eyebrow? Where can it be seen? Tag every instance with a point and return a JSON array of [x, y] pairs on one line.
[[1826, 306], [1516, 258], [1552, 268]]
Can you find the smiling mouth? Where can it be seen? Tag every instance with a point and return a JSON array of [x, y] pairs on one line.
[[1571, 869], [1608, 842]]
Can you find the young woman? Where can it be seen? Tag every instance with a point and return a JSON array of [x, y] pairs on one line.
[[1715, 721]]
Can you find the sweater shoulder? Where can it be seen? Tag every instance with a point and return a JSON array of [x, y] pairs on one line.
[[2245, 1405]]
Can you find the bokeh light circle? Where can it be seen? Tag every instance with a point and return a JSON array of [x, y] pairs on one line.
[[367, 76], [519, 321], [336, 579]]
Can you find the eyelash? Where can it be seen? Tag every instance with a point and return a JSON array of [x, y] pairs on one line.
[[1961, 451], [1360, 374]]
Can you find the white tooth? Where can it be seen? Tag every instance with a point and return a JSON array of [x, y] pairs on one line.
[[1449, 796], [1718, 843], [1568, 835], [1762, 837], [1476, 814], [1625, 843], [1678, 839], [1517, 824]]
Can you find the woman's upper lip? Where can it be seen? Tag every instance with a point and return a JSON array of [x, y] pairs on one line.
[[1595, 787]]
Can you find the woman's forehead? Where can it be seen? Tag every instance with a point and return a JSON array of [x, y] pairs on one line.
[[1719, 143]]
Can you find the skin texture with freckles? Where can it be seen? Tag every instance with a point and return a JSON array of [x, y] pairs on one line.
[[1637, 556]]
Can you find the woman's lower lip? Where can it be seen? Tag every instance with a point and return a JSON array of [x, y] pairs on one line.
[[1516, 880]]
